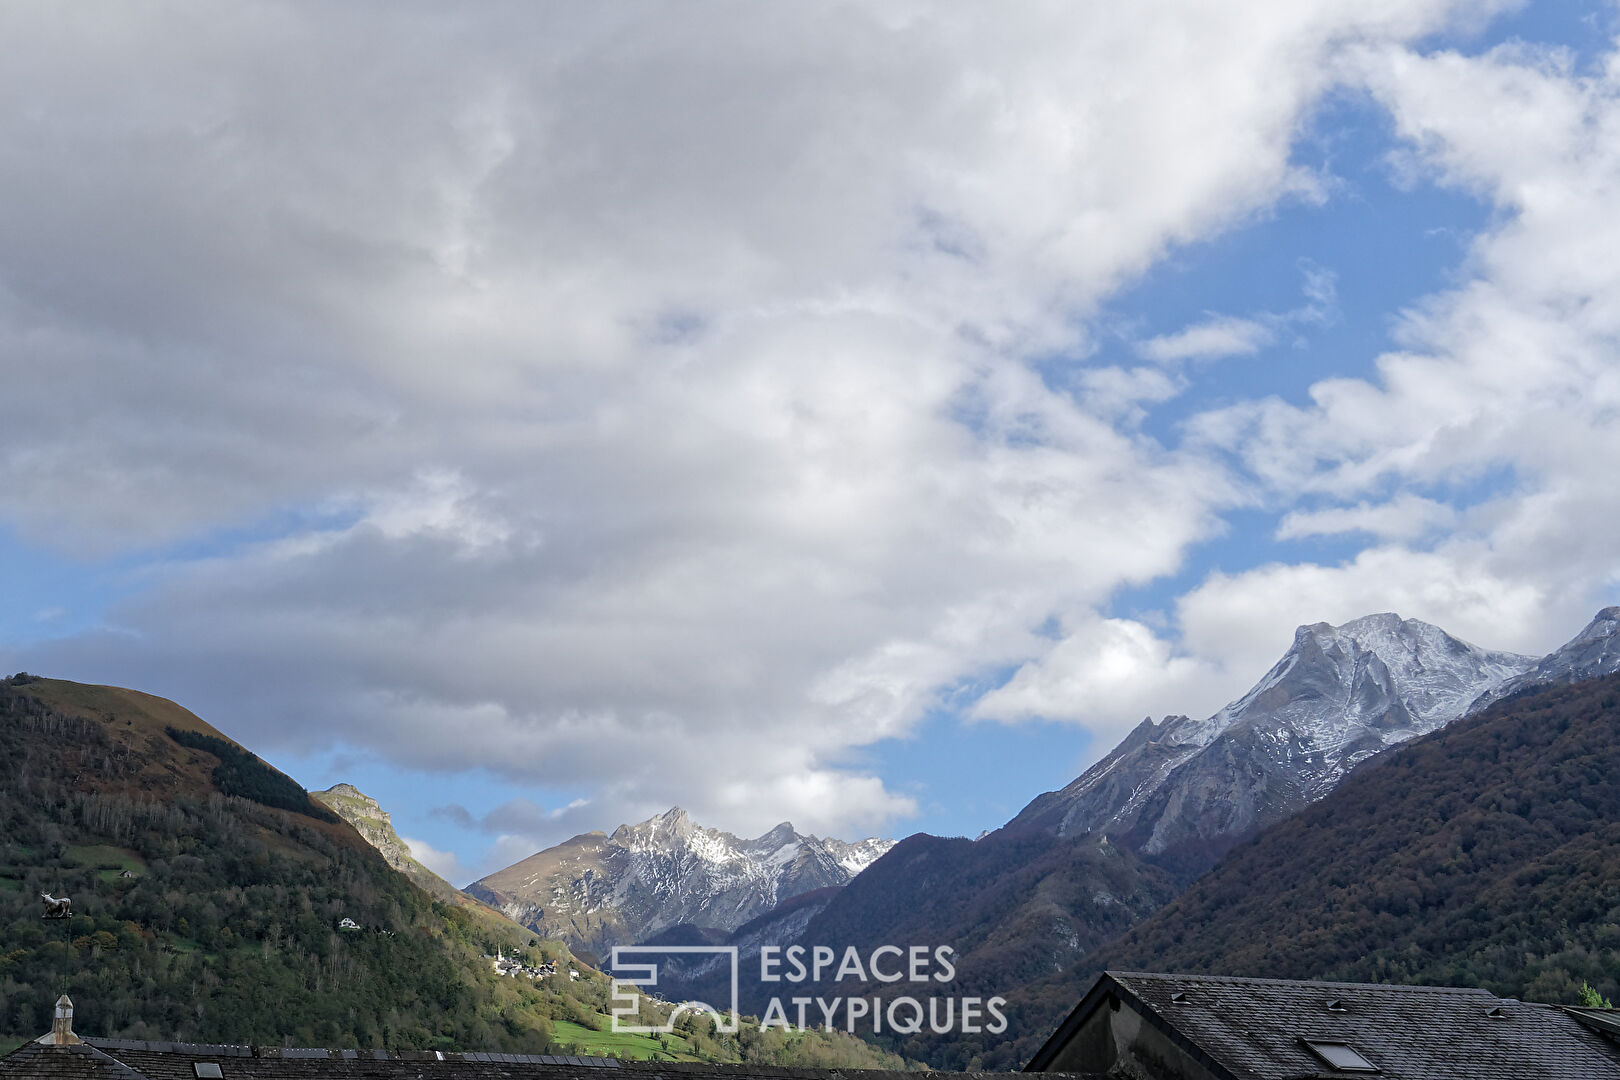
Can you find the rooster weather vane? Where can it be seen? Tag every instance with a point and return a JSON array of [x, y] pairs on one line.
[[56, 907]]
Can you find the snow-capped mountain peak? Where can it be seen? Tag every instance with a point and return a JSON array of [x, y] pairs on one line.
[[1593, 652], [1338, 695], [597, 891]]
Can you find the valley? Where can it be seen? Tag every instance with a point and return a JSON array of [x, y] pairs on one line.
[[1269, 839], [209, 917]]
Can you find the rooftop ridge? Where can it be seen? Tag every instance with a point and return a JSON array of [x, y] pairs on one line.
[[1471, 991], [108, 1066], [224, 1049], [244, 1050], [457, 1057], [99, 1048]]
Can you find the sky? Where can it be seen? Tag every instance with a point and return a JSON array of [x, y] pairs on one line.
[[855, 414]]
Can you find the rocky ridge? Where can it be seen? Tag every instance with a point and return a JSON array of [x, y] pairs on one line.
[[598, 890], [376, 827], [1187, 789]]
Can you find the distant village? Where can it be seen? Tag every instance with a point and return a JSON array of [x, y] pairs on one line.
[[500, 963], [505, 965]]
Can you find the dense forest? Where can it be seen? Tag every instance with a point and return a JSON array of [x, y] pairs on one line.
[[1486, 854], [203, 914], [242, 774]]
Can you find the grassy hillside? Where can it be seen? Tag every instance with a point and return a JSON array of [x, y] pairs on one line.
[[1487, 854], [203, 916]]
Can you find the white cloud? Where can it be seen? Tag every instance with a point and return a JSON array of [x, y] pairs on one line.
[[510, 848], [1405, 517], [1107, 674], [1506, 386], [1213, 339], [1476, 458], [1245, 621], [443, 863], [1125, 392], [662, 372], [1221, 336]]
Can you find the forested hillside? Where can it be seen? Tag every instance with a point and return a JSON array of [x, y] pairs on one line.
[[214, 917], [1016, 905], [1486, 854]]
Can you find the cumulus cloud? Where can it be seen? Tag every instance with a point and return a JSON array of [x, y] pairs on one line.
[[1106, 674], [1245, 621], [1492, 419], [638, 399], [443, 863]]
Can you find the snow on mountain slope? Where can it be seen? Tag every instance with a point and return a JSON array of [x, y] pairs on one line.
[[596, 891], [1590, 654], [1338, 696]]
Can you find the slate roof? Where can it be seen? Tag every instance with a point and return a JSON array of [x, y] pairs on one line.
[[178, 1061], [1255, 1029], [76, 1062]]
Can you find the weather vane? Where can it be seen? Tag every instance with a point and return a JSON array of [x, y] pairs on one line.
[[56, 907]]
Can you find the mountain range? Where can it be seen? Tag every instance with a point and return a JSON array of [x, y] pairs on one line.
[[598, 890], [213, 900], [1185, 790], [1486, 854], [1178, 793], [1387, 802], [1028, 904], [1590, 654]]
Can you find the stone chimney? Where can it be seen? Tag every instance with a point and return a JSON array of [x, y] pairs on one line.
[[62, 1026]]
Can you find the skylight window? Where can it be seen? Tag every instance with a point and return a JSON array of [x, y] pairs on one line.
[[206, 1069], [1341, 1056]]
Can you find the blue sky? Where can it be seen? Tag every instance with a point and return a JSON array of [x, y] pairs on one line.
[[1041, 376]]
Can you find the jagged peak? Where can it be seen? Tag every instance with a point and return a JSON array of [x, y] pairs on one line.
[[676, 823], [1388, 637], [352, 794], [675, 818], [1366, 630], [1140, 734], [1378, 619], [782, 833], [1604, 624]]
